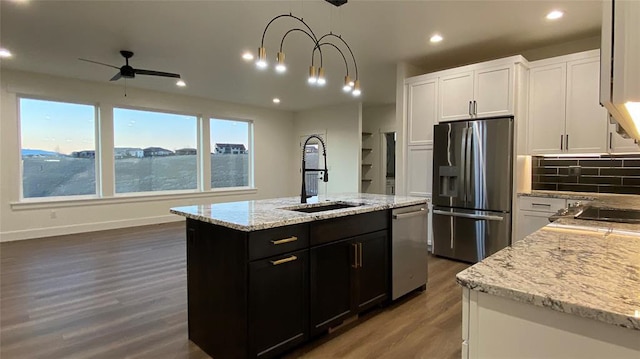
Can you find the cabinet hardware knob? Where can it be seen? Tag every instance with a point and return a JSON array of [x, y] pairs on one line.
[[284, 260], [284, 240]]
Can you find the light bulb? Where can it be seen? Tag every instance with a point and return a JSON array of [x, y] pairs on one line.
[[347, 84], [262, 58], [181, 83], [280, 67], [247, 56], [276, 100], [356, 89], [312, 75], [4, 53], [321, 79], [436, 38]]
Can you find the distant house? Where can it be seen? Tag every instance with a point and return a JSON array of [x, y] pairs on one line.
[[157, 152], [84, 154], [124, 152], [230, 148], [186, 152]]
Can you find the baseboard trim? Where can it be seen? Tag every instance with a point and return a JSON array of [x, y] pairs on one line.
[[85, 227]]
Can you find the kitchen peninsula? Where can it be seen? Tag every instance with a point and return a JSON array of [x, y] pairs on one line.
[[571, 289], [264, 276]]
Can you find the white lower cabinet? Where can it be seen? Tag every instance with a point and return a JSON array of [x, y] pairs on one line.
[[499, 327], [534, 213]]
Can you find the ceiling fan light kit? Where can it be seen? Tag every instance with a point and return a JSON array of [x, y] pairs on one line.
[[318, 77], [128, 72]]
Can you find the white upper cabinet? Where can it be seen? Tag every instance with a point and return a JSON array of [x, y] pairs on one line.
[[419, 170], [586, 119], [456, 96], [422, 110], [547, 88], [482, 92], [619, 144], [565, 115]]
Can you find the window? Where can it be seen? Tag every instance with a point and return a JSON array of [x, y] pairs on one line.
[[57, 148], [154, 151], [230, 159]]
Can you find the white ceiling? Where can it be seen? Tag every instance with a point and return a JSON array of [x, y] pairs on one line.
[[203, 41]]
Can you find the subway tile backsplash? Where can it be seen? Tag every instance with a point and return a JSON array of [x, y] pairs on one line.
[[602, 174]]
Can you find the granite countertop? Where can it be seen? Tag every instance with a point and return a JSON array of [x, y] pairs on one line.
[[269, 213], [586, 268], [601, 200]]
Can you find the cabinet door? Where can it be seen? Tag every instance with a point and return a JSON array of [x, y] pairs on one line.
[[278, 303], [372, 285], [331, 273], [422, 111], [493, 91], [547, 88], [619, 144], [419, 170], [586, 126], [529, 222], [456, 95]]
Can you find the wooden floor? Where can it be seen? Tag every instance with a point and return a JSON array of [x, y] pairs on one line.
[[122, 294]]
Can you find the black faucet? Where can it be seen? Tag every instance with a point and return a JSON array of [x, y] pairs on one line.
[[325, 177]]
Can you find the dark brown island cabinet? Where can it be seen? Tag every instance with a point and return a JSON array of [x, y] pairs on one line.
[[261, 293]]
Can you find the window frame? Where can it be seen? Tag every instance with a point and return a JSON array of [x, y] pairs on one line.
[[250, 145], [105, 170], [198, 119], [97, 150]]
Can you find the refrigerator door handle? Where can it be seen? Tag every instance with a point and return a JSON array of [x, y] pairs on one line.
[[468, 215], [467, 161], [463, 153]]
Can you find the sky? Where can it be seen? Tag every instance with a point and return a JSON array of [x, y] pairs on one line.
[[63, 127]]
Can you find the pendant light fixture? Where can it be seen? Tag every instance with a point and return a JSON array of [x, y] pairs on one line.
[[316, 74]]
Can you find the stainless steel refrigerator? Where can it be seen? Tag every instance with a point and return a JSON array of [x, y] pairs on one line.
[[472, 188]]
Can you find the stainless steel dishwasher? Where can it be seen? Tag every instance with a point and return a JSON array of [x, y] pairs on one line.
[[408, 249]]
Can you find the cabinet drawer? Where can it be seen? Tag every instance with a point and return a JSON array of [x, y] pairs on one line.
[[274, 241], [541, 204], [344, 227]]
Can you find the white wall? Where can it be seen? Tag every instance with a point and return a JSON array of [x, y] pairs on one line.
[[342, 126], [273, 131], [376, 120]]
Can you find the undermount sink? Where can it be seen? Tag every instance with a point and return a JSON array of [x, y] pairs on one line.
[[313, 208]]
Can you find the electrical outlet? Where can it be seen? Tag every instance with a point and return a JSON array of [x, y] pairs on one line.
[[574, 170]]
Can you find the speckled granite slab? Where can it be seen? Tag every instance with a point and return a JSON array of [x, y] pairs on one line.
[[585, 268], [270, 213]]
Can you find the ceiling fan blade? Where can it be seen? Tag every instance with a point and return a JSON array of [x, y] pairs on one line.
[[116, 77], [99, 63], [156, 73]]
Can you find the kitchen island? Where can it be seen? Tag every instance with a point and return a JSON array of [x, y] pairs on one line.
[[265, 276], [571, 289]]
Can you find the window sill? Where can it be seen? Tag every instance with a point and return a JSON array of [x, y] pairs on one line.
[[126, 198]]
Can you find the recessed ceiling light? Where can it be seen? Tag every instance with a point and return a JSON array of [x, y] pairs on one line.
[[181, 83], [555, 15], [276, 100], [4, 53], [247, 56], [436, 38]]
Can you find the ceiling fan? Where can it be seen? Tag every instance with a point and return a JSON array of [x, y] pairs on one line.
[[129, 72]]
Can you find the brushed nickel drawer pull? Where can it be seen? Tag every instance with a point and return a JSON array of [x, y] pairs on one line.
[[541, 204], [284, 240], [284, 260], [360, 256], [355, 255]]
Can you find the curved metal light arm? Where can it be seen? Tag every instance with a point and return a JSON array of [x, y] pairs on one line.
[[355, 64], [337, 48], [310, 36]]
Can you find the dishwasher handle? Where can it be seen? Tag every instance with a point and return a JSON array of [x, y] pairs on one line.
[[468, 215], [421, 212]]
